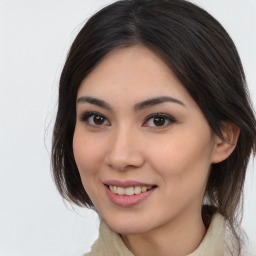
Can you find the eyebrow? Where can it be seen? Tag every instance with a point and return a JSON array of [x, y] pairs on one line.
[[137, 107], [94, 101], [155, 101]]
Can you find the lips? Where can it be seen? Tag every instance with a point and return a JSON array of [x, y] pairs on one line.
[[126, 183], [128, 193]]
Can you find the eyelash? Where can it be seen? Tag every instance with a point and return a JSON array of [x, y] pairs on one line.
[[85, 118], [167, 118]]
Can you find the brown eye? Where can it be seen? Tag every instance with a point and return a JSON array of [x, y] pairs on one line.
[[94, 119], [98, 120], [159, 121]]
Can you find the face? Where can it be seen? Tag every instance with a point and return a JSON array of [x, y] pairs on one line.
[[142, 145]]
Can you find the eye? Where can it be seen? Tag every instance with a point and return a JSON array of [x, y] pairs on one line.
[[94, 119], [159, 120]]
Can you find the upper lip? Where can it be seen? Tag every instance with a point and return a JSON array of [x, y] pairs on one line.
[[126, 183]]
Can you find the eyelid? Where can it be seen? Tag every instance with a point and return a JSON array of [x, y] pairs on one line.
[[85, 116], [164, 115]]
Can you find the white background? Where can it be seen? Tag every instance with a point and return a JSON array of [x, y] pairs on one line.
[[34, 38]]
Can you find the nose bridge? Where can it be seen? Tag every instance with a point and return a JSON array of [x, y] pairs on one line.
[[124, 148]]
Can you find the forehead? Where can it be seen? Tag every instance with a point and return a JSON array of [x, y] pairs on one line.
[[134, 73]]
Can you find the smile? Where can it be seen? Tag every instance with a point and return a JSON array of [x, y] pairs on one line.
[[130, 191]]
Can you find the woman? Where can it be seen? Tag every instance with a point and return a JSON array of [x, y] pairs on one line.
[[154, 130]]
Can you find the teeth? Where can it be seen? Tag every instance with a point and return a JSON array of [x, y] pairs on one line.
[[137, 190], [144, 189], [120, 191], [129, 191]]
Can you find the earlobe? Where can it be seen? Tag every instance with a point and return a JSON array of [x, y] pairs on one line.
[[224, 146]]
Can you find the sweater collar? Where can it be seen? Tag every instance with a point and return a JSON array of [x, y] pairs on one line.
[[213, 242], [111, 243]]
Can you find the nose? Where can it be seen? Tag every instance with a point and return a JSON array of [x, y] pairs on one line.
[[125, 150]]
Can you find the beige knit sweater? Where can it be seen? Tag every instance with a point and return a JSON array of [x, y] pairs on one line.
[[111, 244]]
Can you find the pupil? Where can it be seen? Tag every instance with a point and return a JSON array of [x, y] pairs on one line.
[[159, 121], [98, 120]]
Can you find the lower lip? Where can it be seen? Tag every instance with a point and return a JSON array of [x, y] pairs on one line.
[[128, 201]]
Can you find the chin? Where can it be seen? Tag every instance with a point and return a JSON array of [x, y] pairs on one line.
[[125, 226]]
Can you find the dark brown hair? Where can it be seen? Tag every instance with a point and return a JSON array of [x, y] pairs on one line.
[[203, 57]]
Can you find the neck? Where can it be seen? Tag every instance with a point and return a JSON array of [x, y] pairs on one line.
[[178, 238]]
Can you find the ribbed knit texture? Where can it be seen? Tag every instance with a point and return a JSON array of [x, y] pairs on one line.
[[111, 244]]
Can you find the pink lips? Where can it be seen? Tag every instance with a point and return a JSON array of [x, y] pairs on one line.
[[124, 200]]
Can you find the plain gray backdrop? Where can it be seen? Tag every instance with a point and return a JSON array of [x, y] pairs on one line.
[[35, 36]]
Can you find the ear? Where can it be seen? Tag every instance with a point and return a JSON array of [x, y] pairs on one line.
[[225, 146]]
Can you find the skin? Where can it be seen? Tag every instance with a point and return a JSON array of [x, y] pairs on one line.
[[128, 145]]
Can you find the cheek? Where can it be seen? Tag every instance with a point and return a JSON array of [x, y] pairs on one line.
[[87, 152], [185, 155], [183, 165]]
